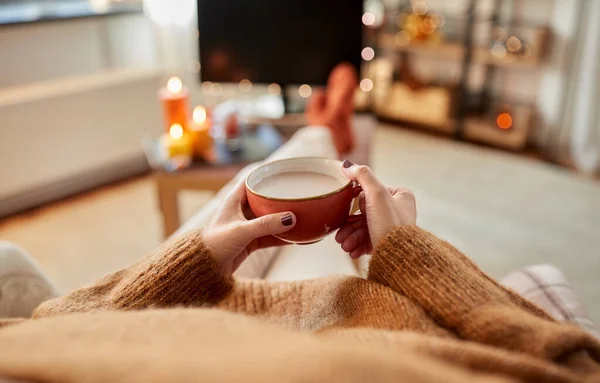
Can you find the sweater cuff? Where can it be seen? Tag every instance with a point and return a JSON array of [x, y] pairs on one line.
[[463, 299], [183, 272], [432, 272]]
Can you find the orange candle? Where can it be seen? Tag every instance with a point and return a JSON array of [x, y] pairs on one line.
[[174, 98]]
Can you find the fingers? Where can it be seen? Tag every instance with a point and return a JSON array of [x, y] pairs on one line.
[[269, 225], [356, 239], [237, 195], [359, 252], [346, 230], [364, 176]]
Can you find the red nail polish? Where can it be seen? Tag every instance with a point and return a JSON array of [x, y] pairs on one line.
[[348, 163]]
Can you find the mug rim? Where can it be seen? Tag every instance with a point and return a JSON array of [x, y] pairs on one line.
[[319, 196]]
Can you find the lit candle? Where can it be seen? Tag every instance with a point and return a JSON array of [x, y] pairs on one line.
[[200, 130], [177, 143], [174, 99]]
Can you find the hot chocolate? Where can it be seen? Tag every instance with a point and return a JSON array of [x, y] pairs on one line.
[[298, 184]]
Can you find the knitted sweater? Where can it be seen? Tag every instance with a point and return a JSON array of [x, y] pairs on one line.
[[425, 313]]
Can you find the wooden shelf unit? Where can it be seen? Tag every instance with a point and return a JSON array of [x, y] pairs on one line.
[[455, 51]]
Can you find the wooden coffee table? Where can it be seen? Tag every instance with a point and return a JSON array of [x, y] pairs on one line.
[[169, 184], [209, 177]]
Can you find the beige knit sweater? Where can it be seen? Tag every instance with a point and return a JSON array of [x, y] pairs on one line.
[[425, 313]]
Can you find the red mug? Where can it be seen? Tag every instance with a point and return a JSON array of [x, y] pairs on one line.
[[316, 215]]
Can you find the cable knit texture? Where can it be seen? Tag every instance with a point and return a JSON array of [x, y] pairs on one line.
[[425, 313]]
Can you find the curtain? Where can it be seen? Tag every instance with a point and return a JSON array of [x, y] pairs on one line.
[[580, 133]]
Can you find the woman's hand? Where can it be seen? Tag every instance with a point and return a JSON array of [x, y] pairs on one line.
[[232, 237], [384, 208]]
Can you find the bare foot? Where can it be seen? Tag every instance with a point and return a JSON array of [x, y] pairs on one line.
[[334, 107]]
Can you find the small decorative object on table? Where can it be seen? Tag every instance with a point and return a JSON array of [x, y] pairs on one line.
[[179, 149], [203, 140], [177, 145], [200, 133]]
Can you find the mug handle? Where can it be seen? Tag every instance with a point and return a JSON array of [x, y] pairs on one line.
[[352, 218]]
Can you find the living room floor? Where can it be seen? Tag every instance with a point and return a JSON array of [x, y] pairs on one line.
[[504, 211]]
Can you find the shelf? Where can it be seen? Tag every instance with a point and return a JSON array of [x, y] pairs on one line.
[[454, 51], [484, 131], [15, 14], [524, 23]]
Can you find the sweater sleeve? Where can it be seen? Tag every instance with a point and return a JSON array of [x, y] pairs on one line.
[[182, 272], [460, 297]]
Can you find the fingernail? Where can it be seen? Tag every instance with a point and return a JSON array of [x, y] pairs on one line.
[[348, 163], [287, 219]]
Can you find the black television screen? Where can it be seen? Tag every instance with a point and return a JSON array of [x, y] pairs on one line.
[[277, 41]]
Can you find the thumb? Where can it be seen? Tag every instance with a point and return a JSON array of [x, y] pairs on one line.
[[276, 223], [364, 176]]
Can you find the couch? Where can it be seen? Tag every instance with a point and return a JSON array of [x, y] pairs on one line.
[[23, 284]]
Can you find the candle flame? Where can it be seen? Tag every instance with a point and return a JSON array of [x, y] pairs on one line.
[[174, 85], [199, 115], [176, 131]]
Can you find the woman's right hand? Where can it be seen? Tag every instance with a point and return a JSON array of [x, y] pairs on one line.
[[384, 208]]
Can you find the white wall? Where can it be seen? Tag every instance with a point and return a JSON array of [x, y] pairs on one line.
[[75, 99], [52, 50]]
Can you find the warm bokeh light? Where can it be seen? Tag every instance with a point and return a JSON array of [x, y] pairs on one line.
[[401, 19], [274, 89], [402, 38], [513, 44], [428, 26], [195, 66], [526, 52], [439, 20], [368, 54], [217, 89], [504, 121], [176, 131], [245, 86], [199, 115], [366, 85], [411, 30], [305, 91], [499, 34], [420, 7], [499, 51], [206, 86], [174, 85], [368, 19]]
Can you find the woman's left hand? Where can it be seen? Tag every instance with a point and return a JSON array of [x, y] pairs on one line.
[[232, 237]]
